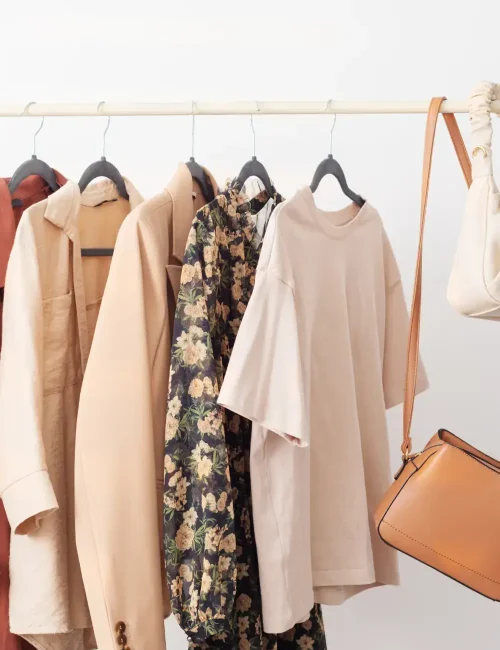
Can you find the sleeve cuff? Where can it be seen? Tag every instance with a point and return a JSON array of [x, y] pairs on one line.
[[28, 501], [296, 435]]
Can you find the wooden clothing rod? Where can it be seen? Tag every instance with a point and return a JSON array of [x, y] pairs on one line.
[[328, 107]]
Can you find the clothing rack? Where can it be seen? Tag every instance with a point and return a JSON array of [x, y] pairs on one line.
[[35, 109]]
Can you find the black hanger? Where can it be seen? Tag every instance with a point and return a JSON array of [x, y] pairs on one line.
[[34, 167], [201, 177], [106, 169], [331, 166], [102, 168], [255, 168]]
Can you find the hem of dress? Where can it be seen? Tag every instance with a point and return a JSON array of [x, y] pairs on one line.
[[336, 595], [344, 578], [282, 625]]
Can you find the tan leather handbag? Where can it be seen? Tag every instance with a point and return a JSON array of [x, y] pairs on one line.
[[443, 508]]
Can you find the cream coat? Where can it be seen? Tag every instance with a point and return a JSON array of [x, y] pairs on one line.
[[51, 304], [121, 423]]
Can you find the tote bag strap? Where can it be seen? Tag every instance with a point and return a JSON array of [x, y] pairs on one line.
[[414, 334]]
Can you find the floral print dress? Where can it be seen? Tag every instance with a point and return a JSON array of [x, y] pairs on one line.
[[210, 551]]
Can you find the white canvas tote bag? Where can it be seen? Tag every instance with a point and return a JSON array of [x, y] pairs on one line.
[[474, 285]]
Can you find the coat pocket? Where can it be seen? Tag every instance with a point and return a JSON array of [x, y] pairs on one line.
[[59, 368]]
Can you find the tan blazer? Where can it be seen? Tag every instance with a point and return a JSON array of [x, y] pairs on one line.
[[52, 298], [121, 424]]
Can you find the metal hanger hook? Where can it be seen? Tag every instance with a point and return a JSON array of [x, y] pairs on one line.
[[327, 109], [192, 129], [105, 130], [253, 129], [253, 133], [331, 134], [25, 112]]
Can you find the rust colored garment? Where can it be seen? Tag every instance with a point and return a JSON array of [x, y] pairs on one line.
[[31, 190]]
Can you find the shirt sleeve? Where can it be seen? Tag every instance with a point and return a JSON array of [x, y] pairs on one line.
[[264, 379], [25, 485], [396, 337], [116, 473], [199, 531]]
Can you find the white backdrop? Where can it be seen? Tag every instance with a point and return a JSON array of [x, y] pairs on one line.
[[314, 50]]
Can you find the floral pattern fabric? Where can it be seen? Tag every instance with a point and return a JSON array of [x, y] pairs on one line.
[[210, 552]]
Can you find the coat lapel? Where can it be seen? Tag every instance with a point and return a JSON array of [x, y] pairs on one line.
[[62, 210]]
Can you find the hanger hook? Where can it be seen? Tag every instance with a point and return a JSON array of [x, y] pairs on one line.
[[327, 109], [331, 134], [253, 128], [193, 106], [253, 133], [25, 112], [105, 130]]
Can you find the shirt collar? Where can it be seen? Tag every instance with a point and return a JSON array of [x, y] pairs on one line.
[[64, 205], [258, 202], [180, 189]]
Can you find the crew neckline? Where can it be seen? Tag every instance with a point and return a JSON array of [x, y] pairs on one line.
[[336, 223]]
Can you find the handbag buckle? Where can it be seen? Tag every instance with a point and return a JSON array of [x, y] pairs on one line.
[[407, 456]]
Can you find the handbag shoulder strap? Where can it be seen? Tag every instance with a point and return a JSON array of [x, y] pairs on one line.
[[414, 334]]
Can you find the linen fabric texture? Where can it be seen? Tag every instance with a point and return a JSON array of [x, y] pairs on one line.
[[319, 357]]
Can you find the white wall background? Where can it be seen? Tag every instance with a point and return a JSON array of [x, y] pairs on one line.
[[286, 49]]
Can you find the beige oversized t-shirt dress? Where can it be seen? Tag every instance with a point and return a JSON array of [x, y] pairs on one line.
[[319, 357]]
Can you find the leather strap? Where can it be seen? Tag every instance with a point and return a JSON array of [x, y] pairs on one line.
[[458, 143], [414, 335]]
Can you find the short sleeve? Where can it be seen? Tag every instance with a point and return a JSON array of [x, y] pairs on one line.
[[397, 325], [264, 379]]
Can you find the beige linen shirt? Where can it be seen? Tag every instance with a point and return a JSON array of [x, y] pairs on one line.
[[319, 357], [121, 423], [52, 300]]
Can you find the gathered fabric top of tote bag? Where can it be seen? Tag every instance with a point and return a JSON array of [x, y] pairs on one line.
[[474, 285]]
